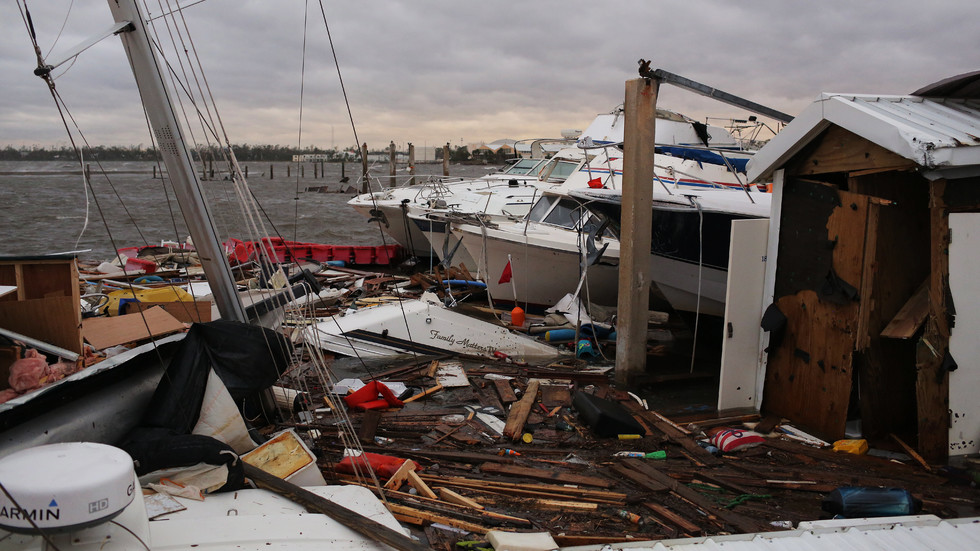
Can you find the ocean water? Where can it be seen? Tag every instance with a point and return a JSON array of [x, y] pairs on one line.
[[44, 207]]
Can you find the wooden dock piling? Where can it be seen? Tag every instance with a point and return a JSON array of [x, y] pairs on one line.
[[364, 169], [445, 160], [391, 165], [411, 164], [634, 260]]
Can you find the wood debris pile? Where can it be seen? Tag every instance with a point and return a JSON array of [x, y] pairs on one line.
[[507, 449]]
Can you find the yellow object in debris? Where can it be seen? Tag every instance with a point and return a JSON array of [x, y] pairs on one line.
[[857, 447], [160, 294]]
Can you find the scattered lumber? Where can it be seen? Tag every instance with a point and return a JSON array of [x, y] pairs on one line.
[[545, 474]]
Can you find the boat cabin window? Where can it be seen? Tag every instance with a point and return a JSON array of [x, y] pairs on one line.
[[523, 166]]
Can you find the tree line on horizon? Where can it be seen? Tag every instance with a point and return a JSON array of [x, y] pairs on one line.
[[243, 152]]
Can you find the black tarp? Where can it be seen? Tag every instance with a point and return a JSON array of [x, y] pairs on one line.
[[246, 358]]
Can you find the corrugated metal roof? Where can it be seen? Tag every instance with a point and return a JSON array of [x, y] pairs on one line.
[[936, 133], [925, 532]]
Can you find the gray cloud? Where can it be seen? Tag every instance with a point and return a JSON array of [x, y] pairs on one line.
[[436, 71]]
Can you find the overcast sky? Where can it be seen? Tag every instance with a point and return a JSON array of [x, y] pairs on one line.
[[429, 71]]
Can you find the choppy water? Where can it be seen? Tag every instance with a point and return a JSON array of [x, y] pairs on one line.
[[43, 206]]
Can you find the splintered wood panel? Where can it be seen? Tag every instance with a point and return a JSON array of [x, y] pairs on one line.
[[896, 265], [56, 321], [964, 346], [809, 373], [105, 332], [188, 312]]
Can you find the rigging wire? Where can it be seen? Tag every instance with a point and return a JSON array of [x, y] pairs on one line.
[[61, 30], [350, 115], [299, 138], [697, 307]]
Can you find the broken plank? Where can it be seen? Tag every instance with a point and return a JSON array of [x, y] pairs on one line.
[[397, 479], [555, 395], [740, 522], [909, 450], [674, 433], [420, 486], [520, 411], [417, 517], [424, 393], [505, 391], [544, 474], [452, 497], [531, 489], [639, 478], [910, 317], [685, 525]]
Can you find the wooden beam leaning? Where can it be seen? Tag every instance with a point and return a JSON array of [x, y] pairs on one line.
[[355, 521], [520, 411], [634, 258]]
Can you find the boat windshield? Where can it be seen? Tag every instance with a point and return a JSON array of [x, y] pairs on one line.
[[541, 208], [568, 213], [523, 166], [562, 170]]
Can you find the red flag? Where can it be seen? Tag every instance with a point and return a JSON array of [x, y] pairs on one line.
[[506, 275], [595, 182]]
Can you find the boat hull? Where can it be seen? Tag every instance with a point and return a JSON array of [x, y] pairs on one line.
[[420, 327], [544, 264]]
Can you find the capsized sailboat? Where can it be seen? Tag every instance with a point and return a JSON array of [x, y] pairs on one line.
[[220, 524]]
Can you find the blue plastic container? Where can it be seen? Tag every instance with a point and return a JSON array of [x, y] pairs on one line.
[[862, 501]]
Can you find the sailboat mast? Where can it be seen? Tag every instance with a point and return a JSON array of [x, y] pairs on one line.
[[173, 148]]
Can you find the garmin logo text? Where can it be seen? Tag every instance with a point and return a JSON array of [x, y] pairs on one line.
[[15, 513]]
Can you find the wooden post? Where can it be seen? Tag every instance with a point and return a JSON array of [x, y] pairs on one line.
[[270, 171], [411, 163], [246, 171], [445, 160], [391, 165], [302, 171], [315, 173], [211, 166], [154, 171], [634, 258], [289, 170], [343, 170], [364, 168]]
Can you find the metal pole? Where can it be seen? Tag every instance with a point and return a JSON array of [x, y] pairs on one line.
[[705, 90], [173, 148]]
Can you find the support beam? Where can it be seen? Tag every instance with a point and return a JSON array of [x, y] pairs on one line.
[[176, 155], [634, 258]]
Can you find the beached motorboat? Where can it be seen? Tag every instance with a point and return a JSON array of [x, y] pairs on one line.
[[509, 192], [413, 216], [554, 239], [691, 234]]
